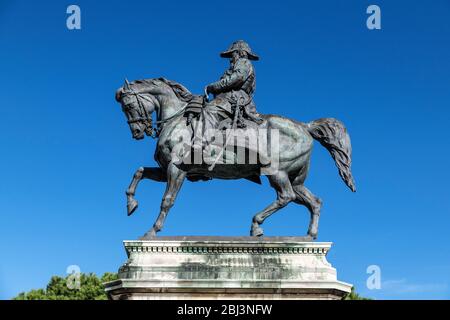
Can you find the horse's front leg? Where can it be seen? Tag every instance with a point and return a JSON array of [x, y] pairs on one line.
[[155, 174], [175, 179]]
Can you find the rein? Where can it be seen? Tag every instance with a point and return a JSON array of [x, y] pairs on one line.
[[147, 119], [179, 112]]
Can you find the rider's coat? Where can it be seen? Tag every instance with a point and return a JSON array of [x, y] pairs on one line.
[[237, 86]]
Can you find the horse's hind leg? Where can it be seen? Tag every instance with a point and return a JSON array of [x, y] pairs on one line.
[[175, 178], [155, 174], [285, 194], [313, 203]]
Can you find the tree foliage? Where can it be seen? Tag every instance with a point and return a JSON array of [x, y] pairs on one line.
[[354, 296], [90, 288]]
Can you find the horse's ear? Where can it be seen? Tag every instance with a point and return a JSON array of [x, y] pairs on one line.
[[127, 84]]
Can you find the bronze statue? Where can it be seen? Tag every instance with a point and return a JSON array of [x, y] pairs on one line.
[[233, 93], [231, 113]]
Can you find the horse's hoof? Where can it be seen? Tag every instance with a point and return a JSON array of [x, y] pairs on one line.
[[131, 206], [256, 231], [311, 236], [149, 235]]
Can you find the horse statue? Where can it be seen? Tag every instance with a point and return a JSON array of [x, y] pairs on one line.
[[169, 100]]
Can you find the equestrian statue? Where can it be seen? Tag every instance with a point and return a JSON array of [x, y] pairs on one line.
[[218, 132]]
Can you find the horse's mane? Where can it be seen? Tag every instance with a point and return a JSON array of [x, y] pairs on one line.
[[180, 91]]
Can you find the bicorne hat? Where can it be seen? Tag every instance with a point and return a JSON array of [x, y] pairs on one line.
[[239, 45]]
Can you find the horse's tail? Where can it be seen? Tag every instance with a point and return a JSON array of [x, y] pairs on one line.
[[332, 134]]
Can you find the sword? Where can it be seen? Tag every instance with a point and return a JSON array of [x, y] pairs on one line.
[[236, 114]]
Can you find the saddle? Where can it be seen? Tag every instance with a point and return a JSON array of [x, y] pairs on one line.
[[238, 139], [197, 103], [224, 108]]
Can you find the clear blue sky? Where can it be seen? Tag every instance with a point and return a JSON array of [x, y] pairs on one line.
[[67, 155]]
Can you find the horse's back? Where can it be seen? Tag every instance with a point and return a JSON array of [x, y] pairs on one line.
[[294, 138]]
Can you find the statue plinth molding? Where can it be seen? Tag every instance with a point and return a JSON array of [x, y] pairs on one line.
[[227, 268]]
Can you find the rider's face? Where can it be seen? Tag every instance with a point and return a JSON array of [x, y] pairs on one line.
[[234, 56]]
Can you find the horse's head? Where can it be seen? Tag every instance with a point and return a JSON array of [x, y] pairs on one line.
[[138, 105], [141, 97]]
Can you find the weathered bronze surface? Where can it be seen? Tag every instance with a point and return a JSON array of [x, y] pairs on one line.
[[184, 122]]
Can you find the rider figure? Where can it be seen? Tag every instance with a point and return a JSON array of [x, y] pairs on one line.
[[238, 83], [232, 93]]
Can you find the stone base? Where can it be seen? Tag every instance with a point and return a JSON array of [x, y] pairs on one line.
[[227, 268]]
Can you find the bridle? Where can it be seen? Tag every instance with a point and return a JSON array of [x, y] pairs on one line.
[[145, 117]]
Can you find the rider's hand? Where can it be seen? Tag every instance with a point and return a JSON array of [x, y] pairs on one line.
[[210, 89]]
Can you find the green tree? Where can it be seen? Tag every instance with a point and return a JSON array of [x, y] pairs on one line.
[[91, 288], [354, 296]]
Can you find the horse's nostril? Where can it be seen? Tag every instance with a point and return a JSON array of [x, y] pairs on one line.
[[136, 132]]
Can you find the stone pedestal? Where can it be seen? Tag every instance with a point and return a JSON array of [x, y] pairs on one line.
[[227, 268]]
